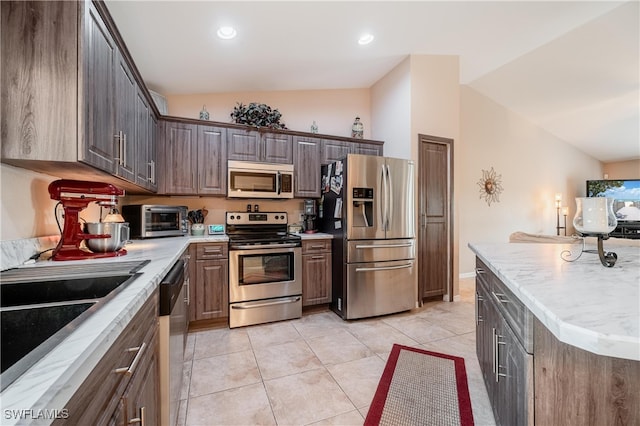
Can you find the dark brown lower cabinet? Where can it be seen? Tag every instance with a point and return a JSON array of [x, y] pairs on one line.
[[507, 368], [316, 272], [125, 380], [209, 281]]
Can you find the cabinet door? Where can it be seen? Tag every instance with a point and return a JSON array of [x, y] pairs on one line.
[[368, 149], [515, 379], [152, 152], [212, 160], [142, 396], [306, 166], [142, 141], [335, 150], [126, 106], [484, 342], [180, 156], [316, 279], [243, 145], [100, 52], [211, 289], [277, 148]]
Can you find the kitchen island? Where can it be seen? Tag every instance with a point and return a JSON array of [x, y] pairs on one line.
[[45, 389], [581, 346]]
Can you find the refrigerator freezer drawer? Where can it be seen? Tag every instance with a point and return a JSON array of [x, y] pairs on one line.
[[380, 288], [380, 250]]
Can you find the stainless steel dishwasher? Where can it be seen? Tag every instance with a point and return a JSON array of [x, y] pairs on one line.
[[174, 317]]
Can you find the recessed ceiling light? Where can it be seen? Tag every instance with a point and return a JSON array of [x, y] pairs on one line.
[[226, 33], [365, 39]]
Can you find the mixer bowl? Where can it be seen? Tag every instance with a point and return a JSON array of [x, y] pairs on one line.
[[119, 232]]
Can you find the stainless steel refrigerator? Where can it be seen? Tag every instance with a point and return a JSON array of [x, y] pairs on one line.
[[368, 205]]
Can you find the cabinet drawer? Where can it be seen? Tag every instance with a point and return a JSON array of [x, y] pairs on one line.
[[316, 246], [211, 251]]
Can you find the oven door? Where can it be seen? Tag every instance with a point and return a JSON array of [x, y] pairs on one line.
[[264, 273]]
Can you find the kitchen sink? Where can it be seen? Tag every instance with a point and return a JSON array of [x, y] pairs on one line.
[[40, 307], [58, 290]]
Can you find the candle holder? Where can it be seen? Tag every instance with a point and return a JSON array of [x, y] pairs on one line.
[[565, 211], [594, 218], [607, 258]]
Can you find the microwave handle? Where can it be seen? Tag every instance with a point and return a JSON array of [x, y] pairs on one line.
[[279, 183]]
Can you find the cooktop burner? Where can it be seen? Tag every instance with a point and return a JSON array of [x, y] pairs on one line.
[[259, 229]]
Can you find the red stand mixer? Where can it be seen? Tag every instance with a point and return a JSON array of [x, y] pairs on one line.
[[75, 196]]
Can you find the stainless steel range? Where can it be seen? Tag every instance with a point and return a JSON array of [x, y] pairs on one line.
[[265, 269]]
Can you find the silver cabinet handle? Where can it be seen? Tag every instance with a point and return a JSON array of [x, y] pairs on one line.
[[152, 171], [385, 268], [262, 305], [129, 370], [479, 318], [120, 138], [138, 419], [500, 297], [496, 355], [124, 151], [317, 257], [371, 246], [480, 271]]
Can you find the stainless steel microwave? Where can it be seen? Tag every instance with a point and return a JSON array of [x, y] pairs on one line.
[[151, 221], [259, 180]]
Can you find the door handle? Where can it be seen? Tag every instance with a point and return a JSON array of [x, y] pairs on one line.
[[385, 268], [368, 246]]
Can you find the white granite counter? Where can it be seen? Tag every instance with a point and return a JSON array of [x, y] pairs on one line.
[[582, 303], [51, 382]]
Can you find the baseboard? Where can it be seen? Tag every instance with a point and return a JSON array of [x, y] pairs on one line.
[[467, 275]]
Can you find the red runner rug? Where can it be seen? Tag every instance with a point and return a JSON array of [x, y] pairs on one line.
[[419, 387]]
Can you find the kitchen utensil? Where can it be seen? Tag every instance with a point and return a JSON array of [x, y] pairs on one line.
[[118, 231]]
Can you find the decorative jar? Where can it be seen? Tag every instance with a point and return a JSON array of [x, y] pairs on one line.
[[357, 130], [594, 215], [204, 114]]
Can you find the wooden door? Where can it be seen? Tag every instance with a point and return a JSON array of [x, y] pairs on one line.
[[306, 166], [277, 148], [212, 160], [100, 51], [334, 150], [435, 234], [243, 145], [212, 289], [141, 142], [179, 161], [126, 106]]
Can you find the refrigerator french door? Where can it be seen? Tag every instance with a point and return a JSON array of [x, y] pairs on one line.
[[368, 205]]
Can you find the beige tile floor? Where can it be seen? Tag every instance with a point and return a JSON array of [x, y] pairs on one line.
[[319, 369]]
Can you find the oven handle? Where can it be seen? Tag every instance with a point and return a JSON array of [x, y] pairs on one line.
[[258, 247], [262, 305]]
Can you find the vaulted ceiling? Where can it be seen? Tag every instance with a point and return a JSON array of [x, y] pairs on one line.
[[572, 68]]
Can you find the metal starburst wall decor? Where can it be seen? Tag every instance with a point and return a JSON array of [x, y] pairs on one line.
[[490, 186]]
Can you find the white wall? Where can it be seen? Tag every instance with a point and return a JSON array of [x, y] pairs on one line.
[[534, 166], [333, 110], [391, 111]]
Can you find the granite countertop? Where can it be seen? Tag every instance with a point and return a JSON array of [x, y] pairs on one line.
[[582, 303], [51, 382]]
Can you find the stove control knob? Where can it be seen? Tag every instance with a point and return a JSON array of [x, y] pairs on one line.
[[238, 217]]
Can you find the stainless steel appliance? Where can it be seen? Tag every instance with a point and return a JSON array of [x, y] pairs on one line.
[[259, 180], [75, 196], [310, 214], [151, 221], [173, 323], [368, 205], [265, 269]]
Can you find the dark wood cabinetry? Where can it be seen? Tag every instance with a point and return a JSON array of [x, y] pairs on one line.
[[71, 105], [252, 145], [316, 272], [124, 383], [501, 338], [306, 158], [193, 159], [208, 277], [179, 159], [334, 150]]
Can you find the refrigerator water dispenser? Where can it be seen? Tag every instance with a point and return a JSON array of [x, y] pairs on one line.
[[362, 207]]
